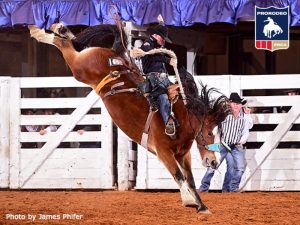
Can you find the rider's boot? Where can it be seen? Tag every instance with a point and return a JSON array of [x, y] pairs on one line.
[[153, 103]]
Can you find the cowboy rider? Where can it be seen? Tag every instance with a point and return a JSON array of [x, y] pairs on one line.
[[156, 74]]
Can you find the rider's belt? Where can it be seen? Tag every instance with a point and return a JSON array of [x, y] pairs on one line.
[[156, 78], [157, 74], [162, 76]]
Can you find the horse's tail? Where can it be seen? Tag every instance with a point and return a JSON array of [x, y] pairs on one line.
[[105, 36]]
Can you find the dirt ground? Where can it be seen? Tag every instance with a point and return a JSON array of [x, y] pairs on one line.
[[145, 208]]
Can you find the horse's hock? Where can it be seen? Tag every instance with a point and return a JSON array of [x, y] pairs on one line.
[[269, 167]]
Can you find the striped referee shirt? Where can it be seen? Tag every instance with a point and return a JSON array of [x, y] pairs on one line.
[[232, 128]]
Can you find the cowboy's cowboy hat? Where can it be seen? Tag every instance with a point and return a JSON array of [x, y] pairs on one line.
[[234, 97], [161, 30]]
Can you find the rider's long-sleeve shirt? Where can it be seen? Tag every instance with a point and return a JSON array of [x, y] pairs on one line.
[[156, 62]]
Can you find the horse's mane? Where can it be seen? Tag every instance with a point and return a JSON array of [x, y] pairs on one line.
[[104, 35], [194, 102], [203, 103], [217, 106]]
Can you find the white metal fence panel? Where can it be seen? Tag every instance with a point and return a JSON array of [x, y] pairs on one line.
[[4, 132], [49, 165]]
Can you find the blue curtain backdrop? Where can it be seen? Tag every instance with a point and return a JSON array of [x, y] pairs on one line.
[[175, 12]]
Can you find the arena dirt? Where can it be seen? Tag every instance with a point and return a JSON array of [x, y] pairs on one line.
[[145, 208]]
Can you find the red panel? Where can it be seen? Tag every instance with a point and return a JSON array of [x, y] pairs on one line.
[[269, 45], [258, 44]]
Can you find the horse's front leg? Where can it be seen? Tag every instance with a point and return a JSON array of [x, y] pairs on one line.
[[188, 191], [189, 194]]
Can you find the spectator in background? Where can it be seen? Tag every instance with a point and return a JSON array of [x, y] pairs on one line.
[[57, 93], [234, 134], [29, 128], [290, 92], [50, 128], [82, 129]]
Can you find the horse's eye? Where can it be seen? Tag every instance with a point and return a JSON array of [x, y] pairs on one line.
[[210, 134]]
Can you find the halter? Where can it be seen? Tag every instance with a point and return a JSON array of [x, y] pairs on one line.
[[200, 135], [210, 147]]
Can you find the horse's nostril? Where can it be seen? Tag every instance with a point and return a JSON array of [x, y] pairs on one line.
[[214, 164], [206, 162]]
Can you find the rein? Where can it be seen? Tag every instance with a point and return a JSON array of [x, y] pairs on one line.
[[131, 65], [200, 131]]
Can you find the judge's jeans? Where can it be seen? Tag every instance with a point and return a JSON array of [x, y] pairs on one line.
[[235, 164]]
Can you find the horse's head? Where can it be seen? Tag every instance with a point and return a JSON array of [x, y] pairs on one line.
[[204, 138], [216, 111], [210, 112]]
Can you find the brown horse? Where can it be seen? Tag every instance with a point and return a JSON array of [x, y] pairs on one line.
[[129, 111]]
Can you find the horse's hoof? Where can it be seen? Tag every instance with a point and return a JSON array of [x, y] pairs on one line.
[[205, 211], [33, 29], [190, 204], [55, 27]]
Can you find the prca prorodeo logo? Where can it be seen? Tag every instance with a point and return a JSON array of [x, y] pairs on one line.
[[272, 28]]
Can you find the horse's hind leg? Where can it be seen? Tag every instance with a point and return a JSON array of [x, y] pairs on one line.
[[40, 35], [64, 45], [189, 195], [61, 30]]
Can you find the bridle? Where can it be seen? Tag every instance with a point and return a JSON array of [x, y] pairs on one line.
[[200, 135]]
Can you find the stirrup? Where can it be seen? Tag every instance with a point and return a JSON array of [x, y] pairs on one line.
[[170, 128]]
